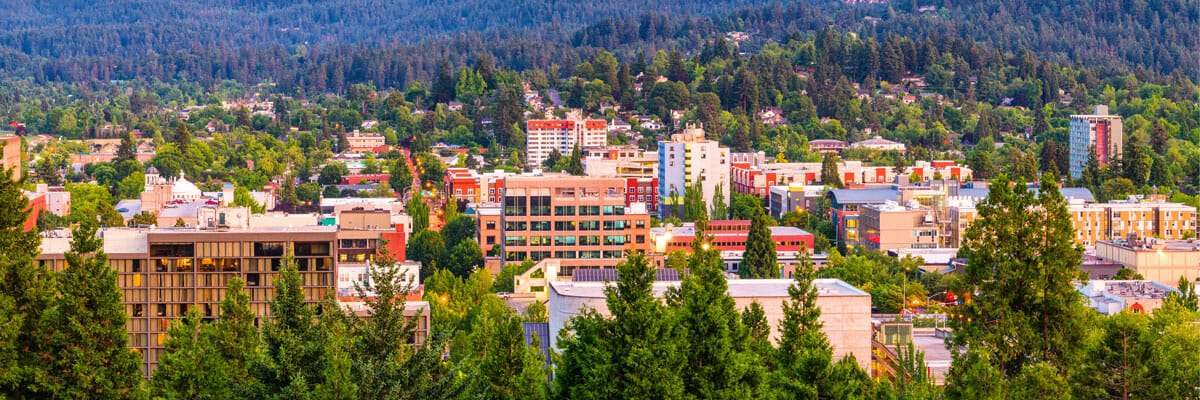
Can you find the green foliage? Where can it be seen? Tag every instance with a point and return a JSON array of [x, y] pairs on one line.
[[759, 261], [509, 369], [504, 281], [419, 211], [192, 367], [636, 353], [427, 248], [242, 198], [465, 257], [27, 295], [89, 310], [1022, 261]]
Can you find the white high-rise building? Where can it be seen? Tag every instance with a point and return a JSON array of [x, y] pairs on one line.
[[690, 158], [544, 136]]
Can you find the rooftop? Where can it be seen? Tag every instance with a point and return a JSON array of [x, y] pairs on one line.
[[738, 288], [863, 196], [690, 230]]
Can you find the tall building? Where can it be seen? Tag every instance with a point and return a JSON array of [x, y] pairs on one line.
[[1098, 129], [581, 220], [545, 136], [165, 272], [690, 158]]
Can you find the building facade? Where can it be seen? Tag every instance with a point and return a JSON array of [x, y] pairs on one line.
[[893, 226], [690, 158], [583, 221], [1100, 130], [545, 136], [164, 273]]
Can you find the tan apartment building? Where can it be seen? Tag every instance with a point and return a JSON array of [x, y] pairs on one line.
[[163, 273], [1096, 222], [1162, 261], [584, 221], [893, 226]]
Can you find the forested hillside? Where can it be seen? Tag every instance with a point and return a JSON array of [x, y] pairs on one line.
[[325, 45]]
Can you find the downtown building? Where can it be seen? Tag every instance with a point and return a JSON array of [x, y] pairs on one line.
[[1099, 130], [545, 136], [165, 272], [690, 158], [583, 221]]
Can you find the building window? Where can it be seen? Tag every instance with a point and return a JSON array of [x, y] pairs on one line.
[[491, 225], [491, 240]]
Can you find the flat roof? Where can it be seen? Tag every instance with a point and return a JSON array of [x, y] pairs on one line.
[[738, 288], [1156, 245], [689, 230], [859, 196]]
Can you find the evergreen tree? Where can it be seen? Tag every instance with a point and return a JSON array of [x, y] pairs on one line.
[[1092, 177], [1159, 137], [1160, 174], [760, 258], [89, 354], [182, 139], [1135, 161], [803, 356], [508, 368], [128, 149], [552, 159], [443, 84], [292, 362], [1022, 260], [829, 172], [26, 295], [635, 354], [236, 338], [337, 382], [192, 367], [575, 167], [719, 363], [754, 318]]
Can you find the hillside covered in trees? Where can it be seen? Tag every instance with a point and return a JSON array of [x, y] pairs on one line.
[[392, 43]]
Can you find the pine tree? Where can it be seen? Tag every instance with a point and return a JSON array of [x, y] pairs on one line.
[[1022, 260], [1159, 137], [829, 172], [1135, 162], [754, 318], [291, 363], [760, 258], [719, 363], [192, 367], [804, 356], [26, 295], [635, 354], [381, 338], [337, 382], [88, 347], [236, 337], [508, 368], [128, 149], [575, 167]]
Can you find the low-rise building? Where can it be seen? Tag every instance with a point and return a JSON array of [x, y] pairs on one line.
[[794, 197], [1163, 261], [365, 140], [890, 226], [1112, 297], [878, 143], [845, 310]]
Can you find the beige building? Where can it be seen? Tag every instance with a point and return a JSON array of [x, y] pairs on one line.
[[12, 155], [545, 136], [690, 158], [583, 221], [1161, 261], [845, 310], [365, 139], [1095, 222], [165, 272], [892, 226]]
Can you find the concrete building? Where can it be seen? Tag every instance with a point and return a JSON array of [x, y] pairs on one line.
[[783, 199], [582, 220], [890, 226], [1163, 261], [1100, 130], [891, 337], [845, 310], [58, 200], [619, 161], [728, 235], [11, 155], [1112, 297], [690, 158], [165, 272], [756, 179], [545, 136]]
